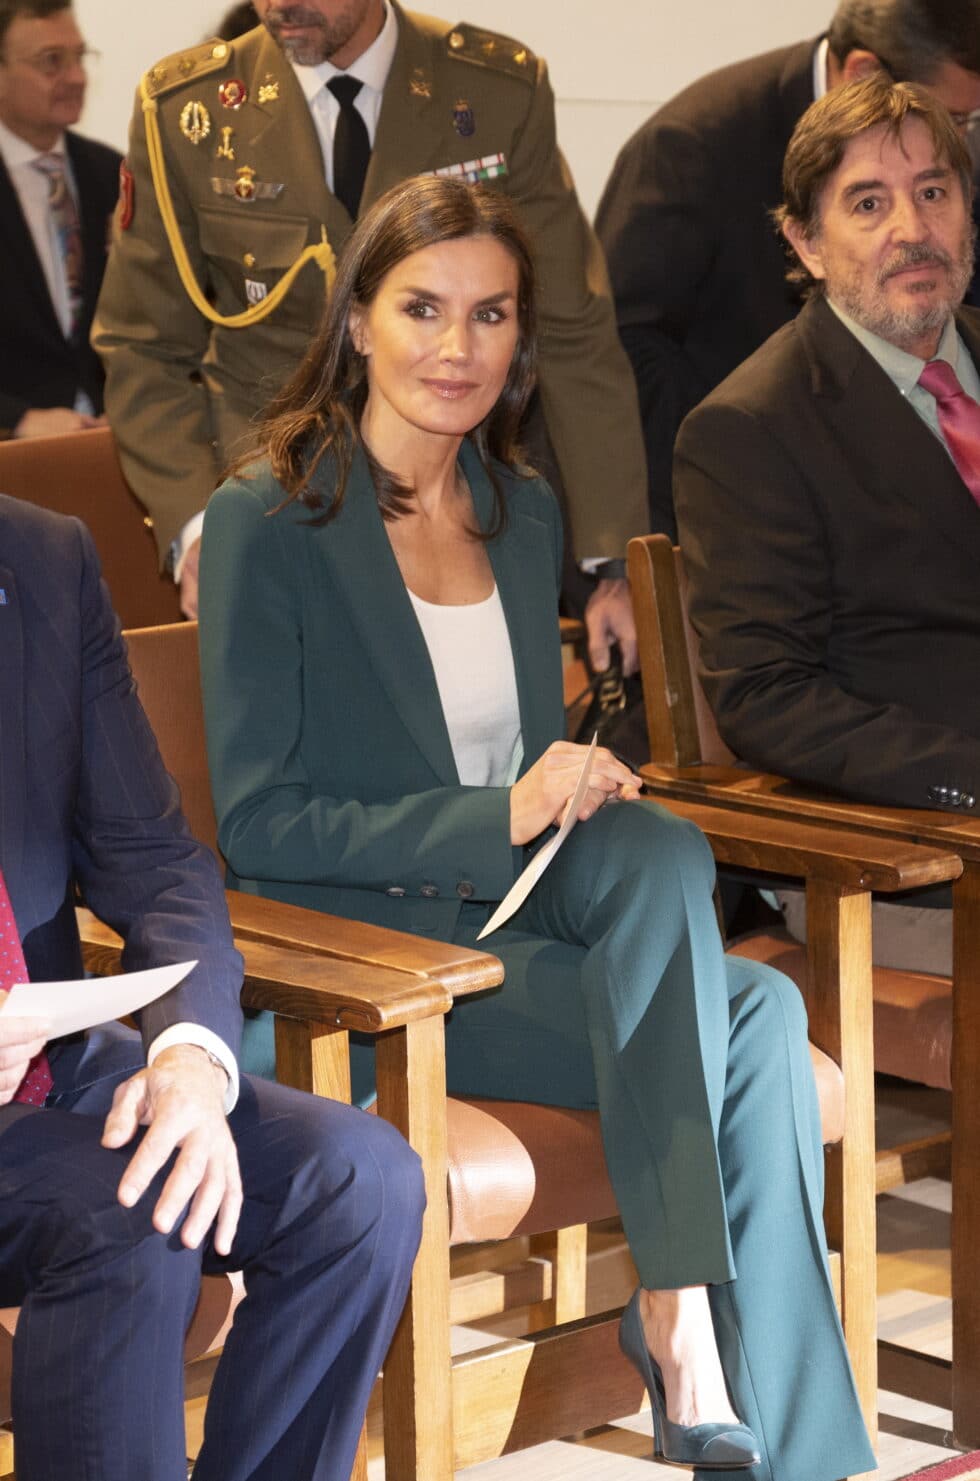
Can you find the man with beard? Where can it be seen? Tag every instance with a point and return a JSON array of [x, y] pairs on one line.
[[57, 194], [269, 147], [697, 270], [827, 491]]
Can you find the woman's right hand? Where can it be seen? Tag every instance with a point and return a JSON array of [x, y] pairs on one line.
[[542, 794]]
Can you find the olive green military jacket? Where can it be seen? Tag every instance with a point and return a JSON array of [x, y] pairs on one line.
[[250, 194]]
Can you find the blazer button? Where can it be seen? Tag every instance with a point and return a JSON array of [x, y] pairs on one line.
[[465, 889], [429, 891], [395, 890]]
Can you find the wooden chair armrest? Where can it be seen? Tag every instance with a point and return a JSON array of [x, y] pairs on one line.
[[837, 856], [765, 793], [340, 990], [460, 970]]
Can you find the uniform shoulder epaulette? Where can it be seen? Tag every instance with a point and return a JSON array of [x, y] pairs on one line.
[[184, 66], [490, 49]]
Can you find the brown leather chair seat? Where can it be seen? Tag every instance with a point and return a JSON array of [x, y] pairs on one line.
[[913, 1017], [518, 1168]]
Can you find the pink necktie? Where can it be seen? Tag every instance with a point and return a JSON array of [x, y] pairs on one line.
[[64, 216], [33, 1089], [959, 420]]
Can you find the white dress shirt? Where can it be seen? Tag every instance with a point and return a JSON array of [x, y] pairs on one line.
[[370, 69]]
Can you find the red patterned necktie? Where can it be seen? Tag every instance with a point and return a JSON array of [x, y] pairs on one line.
[[64, 216], [959, 420], [33, 1089]]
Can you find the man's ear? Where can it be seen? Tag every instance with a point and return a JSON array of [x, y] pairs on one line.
[[806, 248], [858, 64]]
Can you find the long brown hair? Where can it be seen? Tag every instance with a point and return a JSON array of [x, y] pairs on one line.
[[319, 409]]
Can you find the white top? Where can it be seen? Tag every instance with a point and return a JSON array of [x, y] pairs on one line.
[[474, 668], [371, 69]]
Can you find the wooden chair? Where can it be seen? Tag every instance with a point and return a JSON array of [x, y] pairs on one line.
[[80, 474], [516, 1168], [923, 1030]]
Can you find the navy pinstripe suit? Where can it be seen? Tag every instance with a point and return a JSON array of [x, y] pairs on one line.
[[333, 1198]]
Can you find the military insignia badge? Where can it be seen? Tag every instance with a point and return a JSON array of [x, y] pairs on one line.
[[490, 167], [127, 197], [195, 122], [463, 120], [245, 187], [419, 85], [233, 93], [269, 91], [186, 66], [226, 149]]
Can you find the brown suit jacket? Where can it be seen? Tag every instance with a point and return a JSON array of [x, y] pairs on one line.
[[833, 553]]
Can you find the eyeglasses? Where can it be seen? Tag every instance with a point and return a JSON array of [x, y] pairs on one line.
[[55, 60]]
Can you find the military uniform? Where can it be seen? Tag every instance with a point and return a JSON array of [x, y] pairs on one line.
[[245, 171]]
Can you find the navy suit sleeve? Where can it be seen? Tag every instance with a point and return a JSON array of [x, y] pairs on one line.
[[134, 859]]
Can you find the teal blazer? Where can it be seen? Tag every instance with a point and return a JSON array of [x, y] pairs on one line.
[[332, 770]]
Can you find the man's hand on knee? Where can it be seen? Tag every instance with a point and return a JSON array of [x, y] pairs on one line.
[[180, 1099]]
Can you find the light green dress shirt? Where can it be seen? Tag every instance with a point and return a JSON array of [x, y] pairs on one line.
[[903, 369]]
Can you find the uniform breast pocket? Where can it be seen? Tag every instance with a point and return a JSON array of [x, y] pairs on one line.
[[251, 249]]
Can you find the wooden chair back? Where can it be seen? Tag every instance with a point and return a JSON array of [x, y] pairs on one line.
[[680, 724], [80, 474], [165, 665]]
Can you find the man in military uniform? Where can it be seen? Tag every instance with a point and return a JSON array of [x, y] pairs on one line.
[[231, 167]]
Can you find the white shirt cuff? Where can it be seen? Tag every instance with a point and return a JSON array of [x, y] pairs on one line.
[[196, 1033], [191, 532]]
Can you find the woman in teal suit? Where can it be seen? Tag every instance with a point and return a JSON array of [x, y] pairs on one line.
[[384, 711]]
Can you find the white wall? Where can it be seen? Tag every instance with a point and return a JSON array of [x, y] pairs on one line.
[[610, 64]]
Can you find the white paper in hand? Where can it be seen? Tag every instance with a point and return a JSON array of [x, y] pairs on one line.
[[528, 878], [73, 1006]]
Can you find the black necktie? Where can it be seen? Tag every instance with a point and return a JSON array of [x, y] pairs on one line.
[[351, 145]]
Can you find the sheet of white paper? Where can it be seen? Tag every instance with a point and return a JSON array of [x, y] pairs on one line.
[[72, 1006], [528, 878]]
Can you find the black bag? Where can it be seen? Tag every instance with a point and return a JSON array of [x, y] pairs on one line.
[[616, 711]]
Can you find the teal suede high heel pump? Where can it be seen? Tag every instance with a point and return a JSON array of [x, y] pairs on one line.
[[708, 1447]]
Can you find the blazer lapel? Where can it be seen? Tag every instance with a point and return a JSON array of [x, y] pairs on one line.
[[12, 752], [363, 568], [94, 223], [408, 113], [280, 127], [888, 444]]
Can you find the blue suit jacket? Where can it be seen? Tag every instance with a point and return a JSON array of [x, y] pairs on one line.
[[333, 774], [84, 798]]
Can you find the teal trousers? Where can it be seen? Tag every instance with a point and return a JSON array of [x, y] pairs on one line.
[[618, 996]]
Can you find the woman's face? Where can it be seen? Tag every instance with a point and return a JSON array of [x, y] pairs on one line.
[[439, 337]]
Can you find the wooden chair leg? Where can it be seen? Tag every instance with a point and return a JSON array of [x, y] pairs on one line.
[[966, 1156], [360, 1469], [840, 1014], [418, 1409], [567, 1251]]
